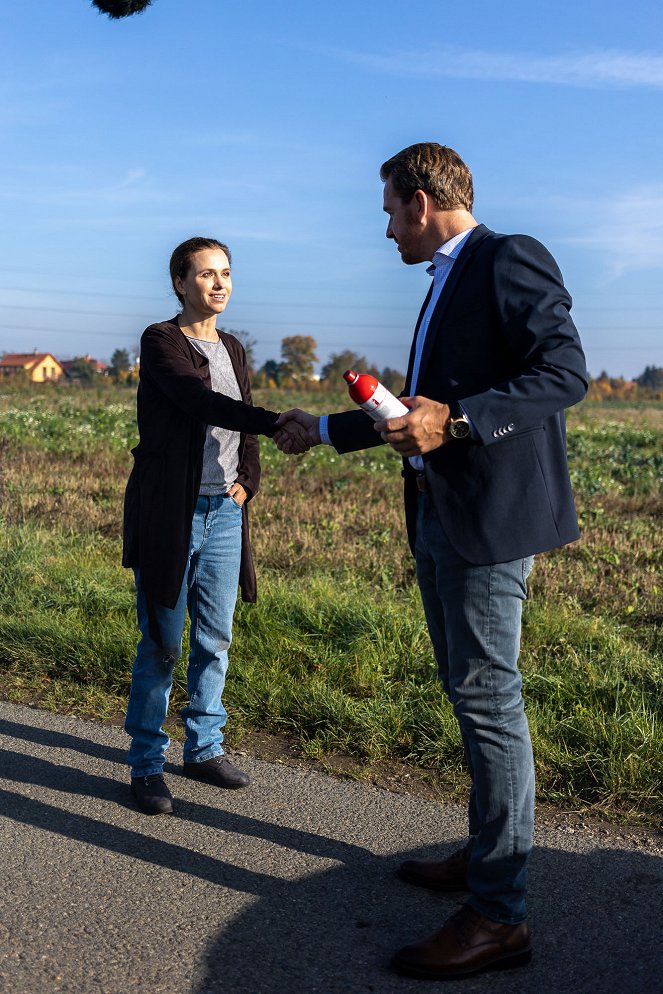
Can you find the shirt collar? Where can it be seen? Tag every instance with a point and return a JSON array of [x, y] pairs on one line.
[[449, 252]]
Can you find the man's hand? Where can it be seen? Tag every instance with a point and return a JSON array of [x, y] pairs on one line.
[[423, 430], [298, 431]]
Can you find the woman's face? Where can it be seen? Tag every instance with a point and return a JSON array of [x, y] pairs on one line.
[[207, 286]]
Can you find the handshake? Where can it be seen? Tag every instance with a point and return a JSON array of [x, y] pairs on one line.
[[425, 427], [297, 432]]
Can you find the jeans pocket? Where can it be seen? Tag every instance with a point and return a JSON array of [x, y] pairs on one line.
[[528, 564]]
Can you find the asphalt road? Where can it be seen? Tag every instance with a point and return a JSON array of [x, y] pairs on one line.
[[285, 888]]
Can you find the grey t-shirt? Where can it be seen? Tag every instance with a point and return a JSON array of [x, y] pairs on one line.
[[220, 458]]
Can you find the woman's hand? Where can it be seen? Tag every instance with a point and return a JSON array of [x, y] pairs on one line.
[[238, 493], [298, 431]]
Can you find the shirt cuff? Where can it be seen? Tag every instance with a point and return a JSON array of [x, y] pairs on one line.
[[324, 433], [473, 433]]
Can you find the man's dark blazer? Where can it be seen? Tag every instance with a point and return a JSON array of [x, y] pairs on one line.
[[501, 340]]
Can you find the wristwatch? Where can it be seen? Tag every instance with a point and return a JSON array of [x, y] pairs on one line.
[[458, 425]]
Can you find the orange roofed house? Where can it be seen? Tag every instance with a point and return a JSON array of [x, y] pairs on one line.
[[41, 367]]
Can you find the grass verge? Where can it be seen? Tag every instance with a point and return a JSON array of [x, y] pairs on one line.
[[336, 653], [345, 670]]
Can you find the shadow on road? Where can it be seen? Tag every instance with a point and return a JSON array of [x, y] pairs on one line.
[[61, 740], [595, 915]]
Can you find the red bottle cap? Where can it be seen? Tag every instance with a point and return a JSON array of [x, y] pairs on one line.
[[362, 386]]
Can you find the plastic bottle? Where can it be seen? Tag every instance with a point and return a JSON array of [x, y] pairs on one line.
[[373, 397]]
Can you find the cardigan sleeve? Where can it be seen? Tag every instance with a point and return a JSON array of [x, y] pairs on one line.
[[168, 364]]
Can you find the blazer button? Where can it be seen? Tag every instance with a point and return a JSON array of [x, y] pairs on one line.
[[495, 433], [510, 427]]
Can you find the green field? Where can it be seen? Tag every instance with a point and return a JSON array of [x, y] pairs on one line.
[[336, 651]]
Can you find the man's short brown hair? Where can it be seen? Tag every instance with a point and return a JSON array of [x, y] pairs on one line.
[[436, 169]]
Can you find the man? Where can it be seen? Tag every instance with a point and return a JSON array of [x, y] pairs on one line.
[[495, 360]]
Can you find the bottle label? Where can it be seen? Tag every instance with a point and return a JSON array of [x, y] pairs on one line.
[[383, 405]]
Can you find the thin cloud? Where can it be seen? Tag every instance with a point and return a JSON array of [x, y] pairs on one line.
[[627, 231], [600, 69], [134, 177], [129, 192]]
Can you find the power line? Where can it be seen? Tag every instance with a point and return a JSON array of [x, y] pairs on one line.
[[263, 303], [299, 324], [153, 297], [653, 348], [291, 324], [263, 286], [263, 341]]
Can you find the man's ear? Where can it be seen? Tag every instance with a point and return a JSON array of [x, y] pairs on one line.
[[420, 204]]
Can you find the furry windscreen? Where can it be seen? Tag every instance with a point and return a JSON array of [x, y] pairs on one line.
[[121, 8]]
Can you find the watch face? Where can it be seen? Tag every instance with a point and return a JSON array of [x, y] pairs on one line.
[[459, 428]]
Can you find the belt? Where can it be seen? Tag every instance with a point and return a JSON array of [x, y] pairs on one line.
[[422, 486]]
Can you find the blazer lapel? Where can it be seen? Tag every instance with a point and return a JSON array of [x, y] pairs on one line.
[[475, 239]]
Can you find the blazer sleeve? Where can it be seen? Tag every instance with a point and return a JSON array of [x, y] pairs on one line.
[[170, 368], [351, 431], [532, 307]]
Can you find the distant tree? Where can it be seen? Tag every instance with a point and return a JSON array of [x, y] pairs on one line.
[[606, 387], [337, 364], [249, 344], [121, 8], [599, 388], [83, 370], [393, 380], [271, 370], [299, 357], [120, 365], [651, 379]]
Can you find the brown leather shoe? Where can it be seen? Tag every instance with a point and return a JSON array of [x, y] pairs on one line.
[[467, 943], [437, 874]]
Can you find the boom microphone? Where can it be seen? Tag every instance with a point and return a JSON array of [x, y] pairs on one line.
[[121, 8]]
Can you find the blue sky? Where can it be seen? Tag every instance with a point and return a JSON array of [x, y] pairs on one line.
[[264, 125]]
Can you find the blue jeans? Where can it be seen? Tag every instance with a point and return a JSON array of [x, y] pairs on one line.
[[473, 615], [209, 591]]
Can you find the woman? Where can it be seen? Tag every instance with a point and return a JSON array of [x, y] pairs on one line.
[[185, 521]]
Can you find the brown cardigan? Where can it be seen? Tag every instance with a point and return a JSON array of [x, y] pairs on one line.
[[175, 405]]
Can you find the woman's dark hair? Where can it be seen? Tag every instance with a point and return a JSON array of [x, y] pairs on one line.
[[180, 260]]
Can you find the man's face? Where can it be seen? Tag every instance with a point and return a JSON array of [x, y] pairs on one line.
[[404, 226]]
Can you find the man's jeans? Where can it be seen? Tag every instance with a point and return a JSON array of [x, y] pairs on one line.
[[473, 615], [209, 590]]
